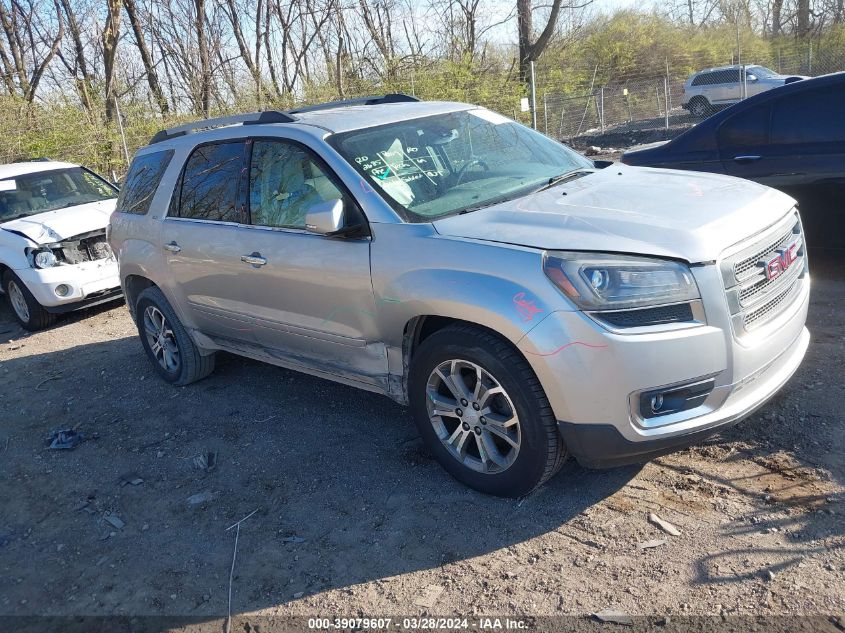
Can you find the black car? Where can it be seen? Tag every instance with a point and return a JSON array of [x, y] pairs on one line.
[[791, 138]]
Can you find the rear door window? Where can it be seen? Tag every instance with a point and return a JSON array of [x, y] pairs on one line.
[[211, 183], [749, 128], [141, 182], [811, 116]]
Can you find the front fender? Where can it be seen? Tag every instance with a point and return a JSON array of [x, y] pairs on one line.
[[417, 272], [12, 251]]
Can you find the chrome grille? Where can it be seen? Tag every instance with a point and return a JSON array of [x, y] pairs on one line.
[[753, 297]]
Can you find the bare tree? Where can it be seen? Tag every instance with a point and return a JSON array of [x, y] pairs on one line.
[[33, 40]]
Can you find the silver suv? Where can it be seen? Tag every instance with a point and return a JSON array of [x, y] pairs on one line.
[[524, 303], [714, 88]]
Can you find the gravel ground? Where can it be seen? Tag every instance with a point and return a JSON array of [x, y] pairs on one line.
[[354, 518]]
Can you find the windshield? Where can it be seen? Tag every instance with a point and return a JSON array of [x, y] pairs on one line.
[[444, 164], [762, 71], [29, 194]]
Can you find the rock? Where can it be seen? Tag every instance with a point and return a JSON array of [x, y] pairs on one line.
[[114, 521], [770, 575], [201, 497], [429, 596], [652, 544], [592, 150], [613, 616], [663, 525]]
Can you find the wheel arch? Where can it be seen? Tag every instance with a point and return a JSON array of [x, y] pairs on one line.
[[418, 328], [133, 286]]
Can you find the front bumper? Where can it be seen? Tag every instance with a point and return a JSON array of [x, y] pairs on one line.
[[89, 283], [603, 446], [593, 377]]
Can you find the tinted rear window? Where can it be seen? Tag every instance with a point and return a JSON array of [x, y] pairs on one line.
[[210, 183], [811, 116], [141, 182]]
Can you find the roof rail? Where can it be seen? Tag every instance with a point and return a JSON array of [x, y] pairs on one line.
[[252, 118], [395, 97]]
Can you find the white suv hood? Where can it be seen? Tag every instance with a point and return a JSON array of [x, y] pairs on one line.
[[662, 212], [54, 226]]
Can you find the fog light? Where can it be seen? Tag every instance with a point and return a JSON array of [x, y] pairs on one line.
[[62, 290]]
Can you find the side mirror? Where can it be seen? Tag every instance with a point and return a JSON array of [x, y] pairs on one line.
[[751, 77], [325, 217]]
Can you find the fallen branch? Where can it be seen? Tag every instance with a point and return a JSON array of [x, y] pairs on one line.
[[232, 570], [55, 376]]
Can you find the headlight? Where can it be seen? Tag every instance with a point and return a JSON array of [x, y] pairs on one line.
[[42, 258], [598, 282]]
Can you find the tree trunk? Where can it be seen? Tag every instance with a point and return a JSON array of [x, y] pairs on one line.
[[205, 60], [530, 51], [777, 7], [146, 58], [803, 21], [111, 36]]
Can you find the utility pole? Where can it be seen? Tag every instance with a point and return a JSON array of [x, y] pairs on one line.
[[533, 97]]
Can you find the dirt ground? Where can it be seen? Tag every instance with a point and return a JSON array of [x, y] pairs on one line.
[[355, 519]]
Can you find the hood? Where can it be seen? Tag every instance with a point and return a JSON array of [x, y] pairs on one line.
[[667, 213], [55, 226]]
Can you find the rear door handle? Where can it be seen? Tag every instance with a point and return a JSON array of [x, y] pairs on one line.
[[254, 259], [173, 247], [746, 159]]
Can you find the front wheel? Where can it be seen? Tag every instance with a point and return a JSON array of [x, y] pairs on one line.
[[482, 412], [29, 313]]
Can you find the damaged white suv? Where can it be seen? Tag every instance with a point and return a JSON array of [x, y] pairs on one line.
[[54, 256]]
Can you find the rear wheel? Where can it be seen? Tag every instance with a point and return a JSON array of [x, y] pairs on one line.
[[169, 347], [482, 412], [700, 107], [29, 313]]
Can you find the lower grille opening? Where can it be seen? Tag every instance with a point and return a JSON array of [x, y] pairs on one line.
[[641, 317]]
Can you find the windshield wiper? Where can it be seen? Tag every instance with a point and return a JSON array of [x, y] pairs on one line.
[[564, 177]]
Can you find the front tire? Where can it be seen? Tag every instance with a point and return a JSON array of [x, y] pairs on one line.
[[171, 350], [29, 313], [482, 412]]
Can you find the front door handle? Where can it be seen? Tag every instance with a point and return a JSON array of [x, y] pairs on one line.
[[173, 247], [254, 259], [746, 159]]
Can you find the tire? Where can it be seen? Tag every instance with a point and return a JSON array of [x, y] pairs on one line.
[[29, 313], [700, 107], [540, 450], [176, 358]]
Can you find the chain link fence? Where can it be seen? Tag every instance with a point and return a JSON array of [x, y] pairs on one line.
[[636, 103]]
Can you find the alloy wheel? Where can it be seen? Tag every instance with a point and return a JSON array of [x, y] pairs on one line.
[[161, 339], [473, 416], [18, 301]]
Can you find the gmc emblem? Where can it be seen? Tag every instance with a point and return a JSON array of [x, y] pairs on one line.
[[777, 265]]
